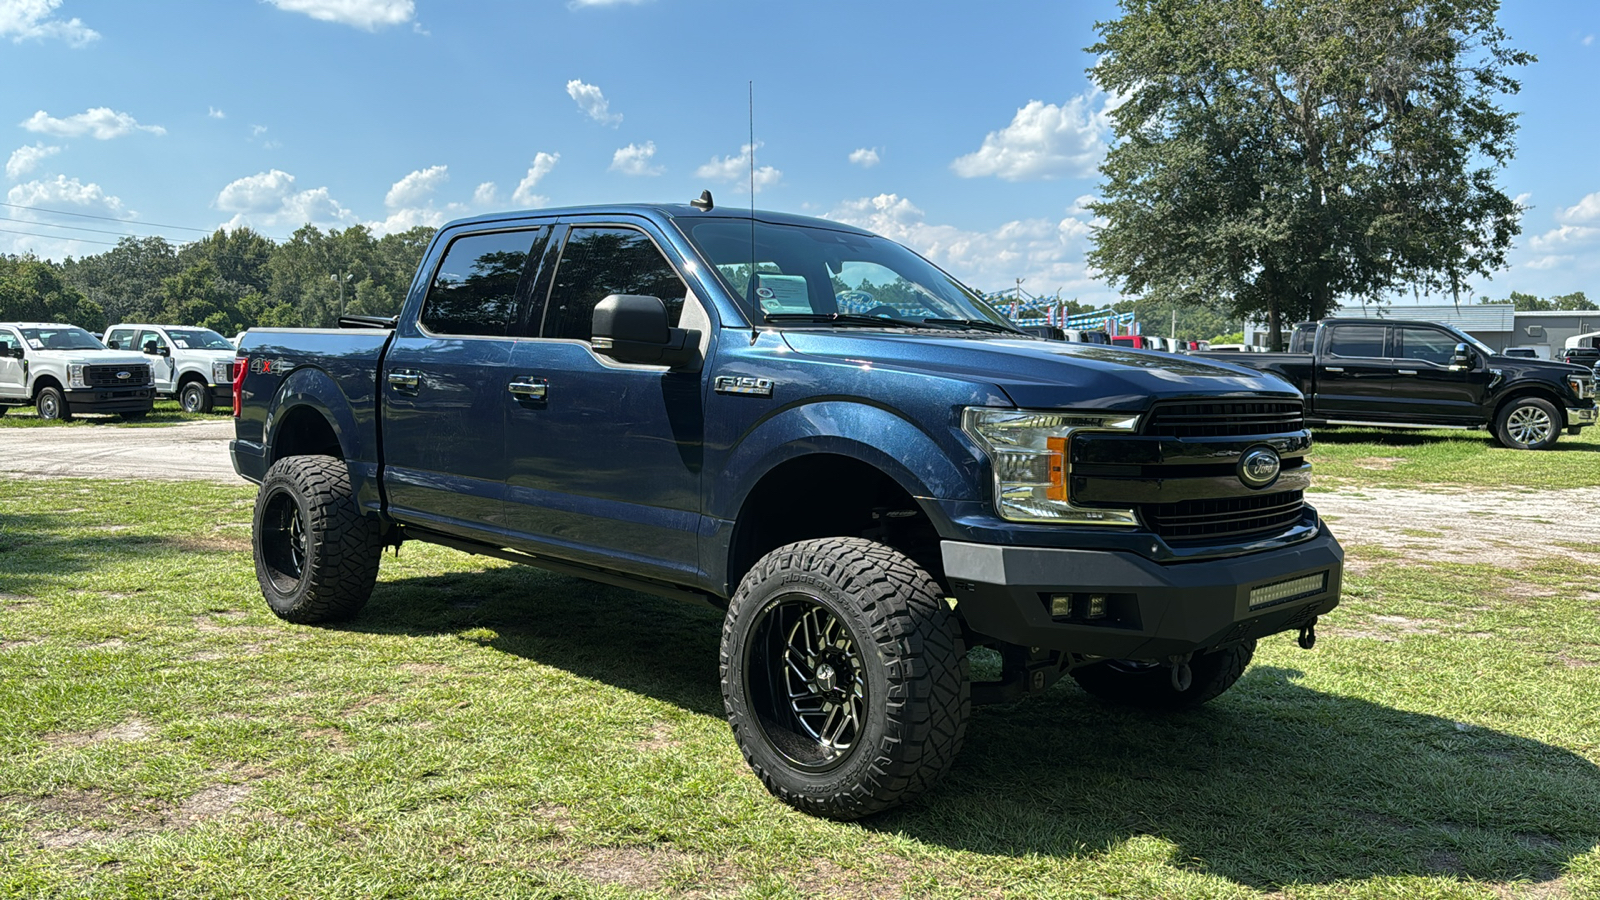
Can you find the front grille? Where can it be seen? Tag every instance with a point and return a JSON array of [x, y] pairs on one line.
[[1224, 519], [107, 376], [1231, 418]]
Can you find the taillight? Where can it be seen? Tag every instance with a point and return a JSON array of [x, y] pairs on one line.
[[241, 364]]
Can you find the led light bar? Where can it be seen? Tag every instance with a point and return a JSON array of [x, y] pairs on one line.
[[1284, 591]]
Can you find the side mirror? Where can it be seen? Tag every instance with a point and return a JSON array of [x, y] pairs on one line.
[[113, 345], [633, 329], [16, 352], [150, 347], [1462, 358]]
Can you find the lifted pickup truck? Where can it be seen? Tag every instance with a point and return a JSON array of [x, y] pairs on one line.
[[1402, 372], [817, 430]]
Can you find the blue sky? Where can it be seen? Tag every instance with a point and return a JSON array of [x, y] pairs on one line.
[[968, 131]]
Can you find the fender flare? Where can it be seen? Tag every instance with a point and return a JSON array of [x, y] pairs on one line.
[[309, 387]]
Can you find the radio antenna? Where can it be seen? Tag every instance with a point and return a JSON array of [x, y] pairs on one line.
[[755, 301]]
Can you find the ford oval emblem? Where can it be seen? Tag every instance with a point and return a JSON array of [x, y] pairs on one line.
[[124, 375], [1259, 467]]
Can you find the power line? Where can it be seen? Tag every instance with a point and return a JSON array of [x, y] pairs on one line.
[[81, 228], [62, 212], [57, 237]]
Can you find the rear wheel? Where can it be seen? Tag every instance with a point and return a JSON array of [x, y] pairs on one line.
[[844, 676], [194, 397], [1528, 423], [1149, 684], [316, 554], [52, 404]]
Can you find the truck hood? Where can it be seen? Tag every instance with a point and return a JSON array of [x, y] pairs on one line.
[[1044, 374], [91, 357]]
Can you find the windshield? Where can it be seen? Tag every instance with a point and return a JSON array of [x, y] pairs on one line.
[[809, 276], [63, 337], [198, 339]]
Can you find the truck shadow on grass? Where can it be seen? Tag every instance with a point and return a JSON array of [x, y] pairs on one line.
[[1273, 784]]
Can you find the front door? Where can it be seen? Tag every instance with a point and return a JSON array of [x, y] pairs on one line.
[[151, 342], [605, 457], [1426, 388], [444, 396], [13, 383]]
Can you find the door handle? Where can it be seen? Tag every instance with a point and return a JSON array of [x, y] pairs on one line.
[[405, 380], [1333, 369], [1407, 371], [529, 388]]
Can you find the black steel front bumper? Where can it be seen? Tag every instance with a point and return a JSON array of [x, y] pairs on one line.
[[104, 401], [1151, 611]]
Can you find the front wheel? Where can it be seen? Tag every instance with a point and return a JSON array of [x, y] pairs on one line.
[[1148, 684], [1528, 423], [316, 553], [52, 404], [195, 397], [844, 676]]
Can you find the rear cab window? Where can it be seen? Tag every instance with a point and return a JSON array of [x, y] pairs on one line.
[[1356, 341], [478, 286]]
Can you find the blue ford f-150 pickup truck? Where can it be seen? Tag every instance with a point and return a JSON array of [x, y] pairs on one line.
[[820, 431]]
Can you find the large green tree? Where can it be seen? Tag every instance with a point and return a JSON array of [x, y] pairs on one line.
[[126, 280], [1275, 156], [33, 290]]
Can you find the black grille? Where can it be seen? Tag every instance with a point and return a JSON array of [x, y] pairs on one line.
[[1224, 418], [1224, 519], [108, 376]]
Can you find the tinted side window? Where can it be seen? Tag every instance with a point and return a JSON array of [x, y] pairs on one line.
[[474, 290], [1357, 340], [598, 262], [8, 342], [145, 337], [124, 338], [1427, 344]]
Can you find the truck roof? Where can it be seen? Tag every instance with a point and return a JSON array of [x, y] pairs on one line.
[[662, 211]]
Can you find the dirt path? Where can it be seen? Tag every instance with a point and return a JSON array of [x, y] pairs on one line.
[[186, 451]]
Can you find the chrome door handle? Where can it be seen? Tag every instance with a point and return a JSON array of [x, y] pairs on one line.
[[1333, 369], [405, 380], [1407, 371], [529, 388]]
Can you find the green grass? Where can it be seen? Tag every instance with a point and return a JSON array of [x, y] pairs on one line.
[[485, 730], [166, 412], [1351, 456]]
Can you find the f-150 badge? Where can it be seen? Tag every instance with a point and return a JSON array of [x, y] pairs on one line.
[[743, 384]]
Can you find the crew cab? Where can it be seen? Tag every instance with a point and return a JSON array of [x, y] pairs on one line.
[[1406, 372], [194, 365], [819, 432], [62, 369]]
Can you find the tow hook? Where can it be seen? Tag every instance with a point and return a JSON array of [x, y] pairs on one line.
[[1182, 677], [1308, 635]]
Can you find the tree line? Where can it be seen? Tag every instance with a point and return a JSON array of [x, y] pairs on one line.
[[227, 281]]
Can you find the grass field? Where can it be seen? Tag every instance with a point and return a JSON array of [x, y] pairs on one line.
[[490, 731], [166, 412], [1376, 457]]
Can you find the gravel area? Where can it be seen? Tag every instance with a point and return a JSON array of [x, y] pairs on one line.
[[185, 451]]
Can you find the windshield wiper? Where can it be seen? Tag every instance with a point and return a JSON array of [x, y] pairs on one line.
[[977, 324], [842, 319]]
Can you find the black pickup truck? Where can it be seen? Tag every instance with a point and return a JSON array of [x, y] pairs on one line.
[[1404, 372], [818, 431]]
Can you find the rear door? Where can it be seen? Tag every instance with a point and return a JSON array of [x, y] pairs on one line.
[[1354, 373], [444, 385], [604, 457]]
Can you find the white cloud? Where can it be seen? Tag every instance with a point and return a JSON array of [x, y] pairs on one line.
[[1045, 142], [1586, 210], [866, 157], [486, 195], [365, 14], [1048, 255], [101, 123], [215, 113], [593, 102], [25, 20], [257, 130], [57, 193], [736, 170], [634, 159], [25, 159], [1587, 40], [269, 200], [410, 190], [542, 164]]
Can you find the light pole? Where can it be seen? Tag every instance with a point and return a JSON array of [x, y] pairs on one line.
[[341, 278]]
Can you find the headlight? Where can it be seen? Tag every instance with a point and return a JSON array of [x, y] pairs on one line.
[[1030, 452], [1582, 385], [75, 376], [219, 372]]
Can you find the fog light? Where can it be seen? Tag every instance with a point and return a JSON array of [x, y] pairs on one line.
[[1061, 605], [1096, 608]]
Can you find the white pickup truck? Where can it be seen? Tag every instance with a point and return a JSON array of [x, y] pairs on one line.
[[62, 369], [192, 364]]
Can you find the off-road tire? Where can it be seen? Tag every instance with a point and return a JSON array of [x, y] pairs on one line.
[[905, 659], [194, 397], [1150, 685], [1528, 423], [52, 404], [316, 554]]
